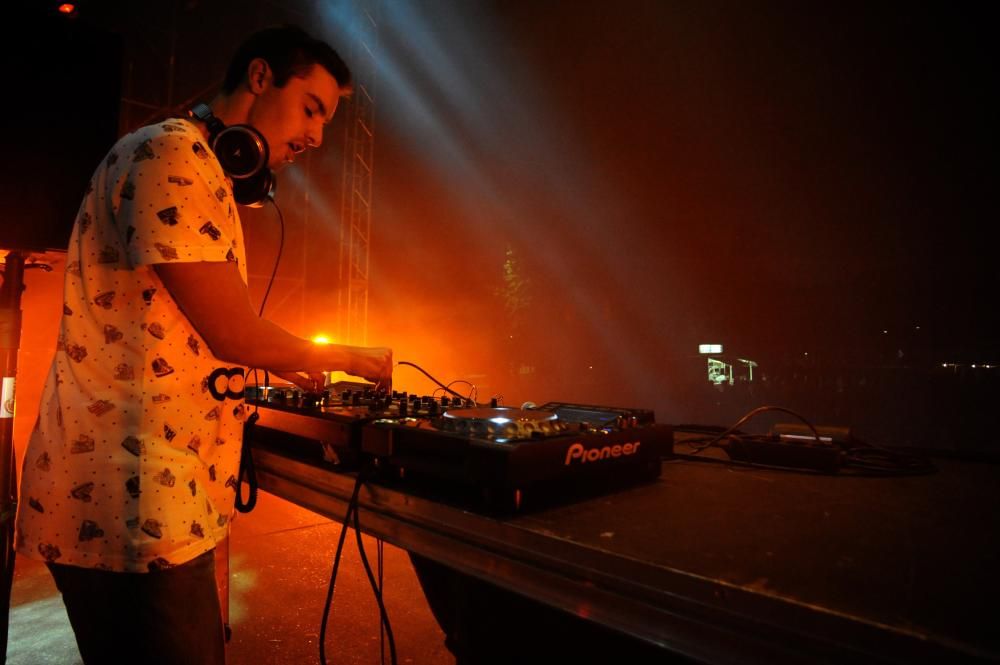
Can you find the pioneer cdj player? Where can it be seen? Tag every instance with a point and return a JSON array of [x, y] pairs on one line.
[[502, 454]]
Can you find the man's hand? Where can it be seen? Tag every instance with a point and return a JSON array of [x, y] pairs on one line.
[[313, 383], [372, 363]]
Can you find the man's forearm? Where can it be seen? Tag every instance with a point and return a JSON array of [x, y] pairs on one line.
[[269, 346], [231, 328]]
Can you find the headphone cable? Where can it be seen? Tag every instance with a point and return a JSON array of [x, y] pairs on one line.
[[277, 259], [247, 472]]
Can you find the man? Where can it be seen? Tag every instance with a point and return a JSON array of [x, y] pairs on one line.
[[130, 474]]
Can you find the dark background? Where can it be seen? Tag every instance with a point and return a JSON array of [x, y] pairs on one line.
[[49, 151], [571, 196]]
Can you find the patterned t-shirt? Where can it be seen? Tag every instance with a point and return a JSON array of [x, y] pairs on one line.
[[132, 464]]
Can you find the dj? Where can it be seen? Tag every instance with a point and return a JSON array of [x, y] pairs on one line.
[[129, 475]]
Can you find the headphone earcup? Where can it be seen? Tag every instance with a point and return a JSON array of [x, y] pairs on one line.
[[241, 150], [243, 154], [254, 191]]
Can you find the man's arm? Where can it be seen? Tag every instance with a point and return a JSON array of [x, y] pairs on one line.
[[225, 319]]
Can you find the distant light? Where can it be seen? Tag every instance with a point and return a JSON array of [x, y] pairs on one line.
[[918, 327], [709, 348], [322, 339], [67, 8], [973, 366], [885, 332], [590, 367], [806, 353]]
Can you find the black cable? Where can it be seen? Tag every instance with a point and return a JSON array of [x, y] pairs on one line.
[[751, 414], [473, 392], [375, 587], [352, 507], [444, 387], [380, 563], [277, 259], [870, 459], [858, 457], [247, 472]]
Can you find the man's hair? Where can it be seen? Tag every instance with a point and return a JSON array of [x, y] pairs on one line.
[[289, 51]]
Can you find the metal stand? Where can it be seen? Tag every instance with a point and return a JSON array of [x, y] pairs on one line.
[[10, 341]]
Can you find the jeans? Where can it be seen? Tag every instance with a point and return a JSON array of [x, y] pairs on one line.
[[168, 617]]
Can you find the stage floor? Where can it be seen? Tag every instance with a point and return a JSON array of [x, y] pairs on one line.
[[280, 556]]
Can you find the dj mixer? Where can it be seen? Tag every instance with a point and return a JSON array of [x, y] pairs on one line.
[[502, 453]]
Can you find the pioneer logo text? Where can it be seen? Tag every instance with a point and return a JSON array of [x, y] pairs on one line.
[[578, 453]]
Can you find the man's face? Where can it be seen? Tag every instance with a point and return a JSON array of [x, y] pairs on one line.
[[292, 118]]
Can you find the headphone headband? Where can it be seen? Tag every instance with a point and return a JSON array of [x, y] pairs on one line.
[[203, 112], [243, 154]]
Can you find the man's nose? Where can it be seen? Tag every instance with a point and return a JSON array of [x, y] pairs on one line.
[[314, 138]]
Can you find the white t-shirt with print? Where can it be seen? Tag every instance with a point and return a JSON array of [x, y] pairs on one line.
[[132, 465]]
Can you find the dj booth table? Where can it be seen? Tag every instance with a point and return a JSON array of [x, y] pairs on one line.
[[724, 564]]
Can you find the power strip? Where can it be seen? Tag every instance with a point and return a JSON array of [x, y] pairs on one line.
[[793, 432], [825, 458]]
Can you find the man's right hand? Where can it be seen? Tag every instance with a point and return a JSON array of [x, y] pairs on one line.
[[372, 363]]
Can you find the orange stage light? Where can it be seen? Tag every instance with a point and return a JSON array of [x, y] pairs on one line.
[[67, 8]]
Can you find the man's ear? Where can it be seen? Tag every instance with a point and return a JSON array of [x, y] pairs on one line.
[[259, 76]]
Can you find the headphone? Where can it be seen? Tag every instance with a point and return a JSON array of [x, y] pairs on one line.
[[243, 153]]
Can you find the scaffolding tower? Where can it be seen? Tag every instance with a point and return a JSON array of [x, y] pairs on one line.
[[356, 187]]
